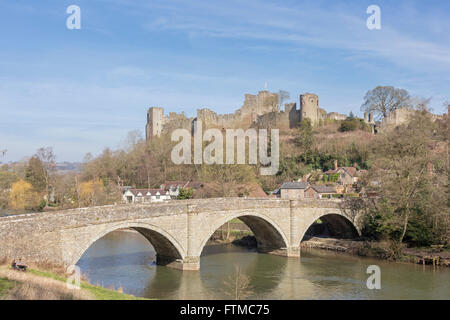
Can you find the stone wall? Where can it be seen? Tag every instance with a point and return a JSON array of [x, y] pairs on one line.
[[258, 111]]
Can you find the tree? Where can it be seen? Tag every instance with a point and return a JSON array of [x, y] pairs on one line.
[[237, 286], [92, 193], [7, 178], [22, 196], [282, 96], [48, 160], [225, 180], [35, 174], [133, 138], [382, 100], [305, 136], [412, 182], [352, 124], [185, 193]]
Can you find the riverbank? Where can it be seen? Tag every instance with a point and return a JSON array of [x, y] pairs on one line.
[[381, 250], [36, 284]]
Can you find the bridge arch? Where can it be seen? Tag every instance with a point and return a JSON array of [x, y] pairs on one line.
[[269, 236], [336, 223], [168, 250]]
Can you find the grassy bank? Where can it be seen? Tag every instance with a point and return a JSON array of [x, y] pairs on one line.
[[45, 285]]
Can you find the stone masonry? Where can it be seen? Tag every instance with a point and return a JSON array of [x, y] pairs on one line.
[[258, 111], [178, 230]]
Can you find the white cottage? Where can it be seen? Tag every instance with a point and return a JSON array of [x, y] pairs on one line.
[[145, 195]]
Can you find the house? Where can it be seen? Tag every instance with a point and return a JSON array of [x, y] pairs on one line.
[[347, 176], [173, 187], [145, 195], [320, 191], [293, 190], [275, 193]]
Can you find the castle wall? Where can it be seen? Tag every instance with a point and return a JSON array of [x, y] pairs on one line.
[[260, 111], [309, 108]]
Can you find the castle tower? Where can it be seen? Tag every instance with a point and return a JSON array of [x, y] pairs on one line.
[[309, 108], [155, 118]]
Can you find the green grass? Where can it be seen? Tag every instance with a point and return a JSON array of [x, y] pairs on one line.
[[5, 285], [98, 292]]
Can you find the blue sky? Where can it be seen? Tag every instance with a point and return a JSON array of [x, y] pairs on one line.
[[82, 90]]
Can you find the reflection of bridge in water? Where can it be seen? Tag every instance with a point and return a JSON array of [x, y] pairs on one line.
[[178, 230]]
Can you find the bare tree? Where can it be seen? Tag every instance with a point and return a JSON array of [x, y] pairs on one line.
[[133, 138], [282, 97], [404, 169], [237, 286], [382, 100], [48, 160]]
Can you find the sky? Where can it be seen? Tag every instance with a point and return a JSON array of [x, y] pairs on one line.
[[80, 91]]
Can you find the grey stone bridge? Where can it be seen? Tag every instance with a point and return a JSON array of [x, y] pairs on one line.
[[178, 230]]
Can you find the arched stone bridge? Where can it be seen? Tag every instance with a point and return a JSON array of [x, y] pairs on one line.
[[178, 230]]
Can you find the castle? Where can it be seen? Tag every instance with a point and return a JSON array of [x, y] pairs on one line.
[[263, 111], [258, 111]]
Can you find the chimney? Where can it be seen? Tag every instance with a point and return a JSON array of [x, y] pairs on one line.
[[365, 116], [370, 117], [335, 165]]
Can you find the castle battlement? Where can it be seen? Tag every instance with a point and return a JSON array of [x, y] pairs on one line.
[[260, 111]]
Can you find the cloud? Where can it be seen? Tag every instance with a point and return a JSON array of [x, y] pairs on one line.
[[325, 26]]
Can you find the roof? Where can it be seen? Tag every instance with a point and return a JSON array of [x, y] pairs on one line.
[[294, 185], [144, 192], [361, 173], [320, 188], [350, 170]]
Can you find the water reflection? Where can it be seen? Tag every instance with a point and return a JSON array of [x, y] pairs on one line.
[[127, 260]]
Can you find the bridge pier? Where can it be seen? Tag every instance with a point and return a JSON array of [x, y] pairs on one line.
[[186, 264], [285, 252]]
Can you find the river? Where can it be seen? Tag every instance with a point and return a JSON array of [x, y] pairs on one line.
[[126, 260]]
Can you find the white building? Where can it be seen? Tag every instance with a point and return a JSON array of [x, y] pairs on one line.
[[145, 195]]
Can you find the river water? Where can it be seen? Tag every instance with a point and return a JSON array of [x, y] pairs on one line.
[[126, 260]]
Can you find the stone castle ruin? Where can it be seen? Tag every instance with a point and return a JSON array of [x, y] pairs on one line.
[[263, 111], [258, 111]]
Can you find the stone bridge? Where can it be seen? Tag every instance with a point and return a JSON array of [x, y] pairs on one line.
[[178, 230]]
